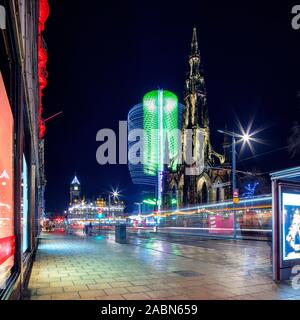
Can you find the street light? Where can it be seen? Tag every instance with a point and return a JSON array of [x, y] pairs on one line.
[[115, 194], [245, 137]]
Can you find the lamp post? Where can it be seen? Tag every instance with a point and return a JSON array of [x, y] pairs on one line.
[[244, 137], [139, 206], [109, 203], [115, 194], [139, 209]]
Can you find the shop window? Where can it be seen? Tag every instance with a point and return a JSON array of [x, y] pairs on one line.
[[25, 206], [7, 237]]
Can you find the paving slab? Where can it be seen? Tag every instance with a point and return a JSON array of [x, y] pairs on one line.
[[73, 266]]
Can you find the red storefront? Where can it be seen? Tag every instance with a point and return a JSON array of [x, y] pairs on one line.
[[23, 76], [7, 235]]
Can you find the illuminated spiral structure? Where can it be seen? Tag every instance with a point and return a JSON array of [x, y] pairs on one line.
[[160, 115], [160, 110], [135, 121]]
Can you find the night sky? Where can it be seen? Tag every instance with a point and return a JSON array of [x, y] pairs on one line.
[[104, 58]]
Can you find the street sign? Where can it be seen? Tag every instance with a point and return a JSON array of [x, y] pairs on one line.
[[235, 200], [221, 185], [235, 196], [235, 193]]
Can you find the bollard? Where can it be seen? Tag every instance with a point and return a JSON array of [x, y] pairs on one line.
[[120, 233]]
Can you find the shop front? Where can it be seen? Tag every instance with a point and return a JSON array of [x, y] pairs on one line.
[[21, 185], [7, 209]]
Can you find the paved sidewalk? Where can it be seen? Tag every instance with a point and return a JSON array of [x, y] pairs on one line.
[[76, 267]]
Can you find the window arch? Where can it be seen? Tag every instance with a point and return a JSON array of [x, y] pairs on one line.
[[202, 190]]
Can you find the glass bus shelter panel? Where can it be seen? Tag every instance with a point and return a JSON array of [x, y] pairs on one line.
[[253, 219]]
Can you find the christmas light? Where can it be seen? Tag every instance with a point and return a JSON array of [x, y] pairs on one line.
[[145, 117], [160, 108], [149, 201]]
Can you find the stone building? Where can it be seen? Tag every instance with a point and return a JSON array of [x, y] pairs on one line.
[[207, 177]]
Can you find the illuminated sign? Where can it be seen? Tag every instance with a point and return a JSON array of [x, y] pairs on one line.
[[285, 222], [290, 225], [7, 239], [7, 248]]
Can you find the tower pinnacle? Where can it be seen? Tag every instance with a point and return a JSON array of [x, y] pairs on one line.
[[194, 44], [75, 180], [195, 92]]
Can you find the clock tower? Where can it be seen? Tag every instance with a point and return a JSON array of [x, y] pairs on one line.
[[75, 190]]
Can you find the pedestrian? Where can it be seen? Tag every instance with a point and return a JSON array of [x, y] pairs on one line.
[[90, 229], [238, 230]]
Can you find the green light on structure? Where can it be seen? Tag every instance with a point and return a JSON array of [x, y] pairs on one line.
[[173, 201], [160, 110], [149, 201]]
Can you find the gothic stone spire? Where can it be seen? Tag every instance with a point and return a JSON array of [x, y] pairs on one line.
[[194, 44], [195, 91]]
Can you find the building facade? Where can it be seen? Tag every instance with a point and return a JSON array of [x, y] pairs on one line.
[[82, 210], [22, 181], [203, 176]]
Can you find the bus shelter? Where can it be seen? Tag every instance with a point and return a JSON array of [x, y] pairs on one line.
[[286, 223]]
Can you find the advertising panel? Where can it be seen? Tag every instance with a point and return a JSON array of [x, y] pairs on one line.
[[290, 210], [7, 239]]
